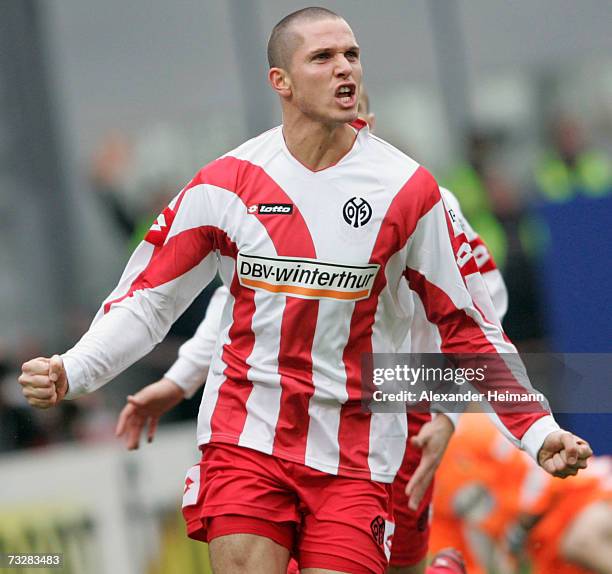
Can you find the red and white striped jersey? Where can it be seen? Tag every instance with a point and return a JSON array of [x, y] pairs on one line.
[[493, 279], [424, 336], [190, 369], [320, 268]]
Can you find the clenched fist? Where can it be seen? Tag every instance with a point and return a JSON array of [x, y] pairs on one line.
[[44, 382], [564, 454]]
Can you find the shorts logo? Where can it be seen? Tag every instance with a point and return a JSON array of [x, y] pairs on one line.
[[377, 526], [356, 212], [306, 278], [271, 208]]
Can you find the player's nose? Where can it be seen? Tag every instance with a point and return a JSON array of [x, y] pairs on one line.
[[343, 67]]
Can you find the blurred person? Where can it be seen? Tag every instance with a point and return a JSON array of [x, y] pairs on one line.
[[571, 166], [135, 178], [413, 485], [120, 168], [525, 239], [290, 461], [466, 179], [110, 164], [502, 511], [477, 495], [568, 527]]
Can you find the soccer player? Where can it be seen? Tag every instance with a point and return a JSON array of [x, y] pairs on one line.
[[487, 489], [568, 527], [188, 373], [317, 229], [477, 495]]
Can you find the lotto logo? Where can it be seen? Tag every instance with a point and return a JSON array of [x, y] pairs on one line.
[[272, 209]]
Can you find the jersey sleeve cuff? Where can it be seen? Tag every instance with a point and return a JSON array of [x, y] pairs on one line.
[[187, 375], [77, 378], [536, 434]]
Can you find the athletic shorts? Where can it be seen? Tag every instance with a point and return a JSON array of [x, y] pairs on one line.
[[325, 521], [411, 536]]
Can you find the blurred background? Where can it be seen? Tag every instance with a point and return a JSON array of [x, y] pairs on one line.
[[107, 109]]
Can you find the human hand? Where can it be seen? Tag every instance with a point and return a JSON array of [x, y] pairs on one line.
[[43, 381], [563, 454], [432, 439], [144, 409]]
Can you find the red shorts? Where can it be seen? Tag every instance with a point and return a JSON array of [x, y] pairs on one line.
[[325, 521], [411, 536]]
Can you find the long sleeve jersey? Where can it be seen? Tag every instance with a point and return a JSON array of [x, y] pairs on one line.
[[190, 369], [320, 267]]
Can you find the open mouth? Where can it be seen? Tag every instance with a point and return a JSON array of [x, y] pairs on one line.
[[346, 94]]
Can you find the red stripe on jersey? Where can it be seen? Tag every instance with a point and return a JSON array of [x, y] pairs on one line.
[[462, 335], [416, 197], [291, 238], [468, 263], [483, 256], [161, 227], [295, 368], [462, 250], [180, 254], [228, 418], [195, 181]]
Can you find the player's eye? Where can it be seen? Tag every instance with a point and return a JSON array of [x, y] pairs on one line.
[[352, 55], [322, 56]]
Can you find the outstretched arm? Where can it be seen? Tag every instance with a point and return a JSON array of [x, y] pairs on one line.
[[182, 380], [445, 285], [169, 268]]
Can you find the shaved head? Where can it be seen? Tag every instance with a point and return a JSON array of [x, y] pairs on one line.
[[285, 37]]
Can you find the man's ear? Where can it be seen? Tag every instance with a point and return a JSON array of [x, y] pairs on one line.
[[280, 82]]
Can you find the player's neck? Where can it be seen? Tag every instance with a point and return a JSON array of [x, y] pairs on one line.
[[316, 145]]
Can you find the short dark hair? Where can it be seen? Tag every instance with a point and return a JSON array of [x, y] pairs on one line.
[[281, 44]]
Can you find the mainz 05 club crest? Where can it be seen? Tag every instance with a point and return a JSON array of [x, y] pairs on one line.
[[356, 212]]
